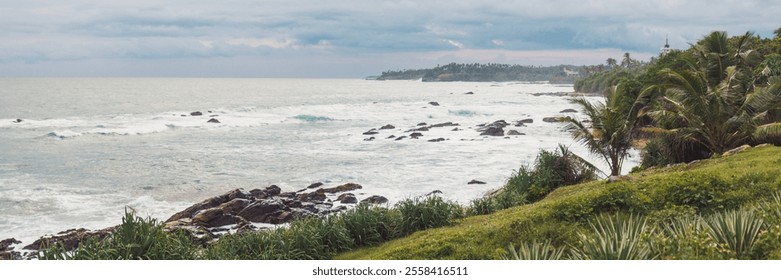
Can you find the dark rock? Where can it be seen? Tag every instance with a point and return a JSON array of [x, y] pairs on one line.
[[292, 203], [387, 126], [375, 199], [493, 131], [456, 129], [234, 206], [435, 192], [213, 120], [315, 185], [210, 112], [279, 217], [391, 137], [341, 188], [369, 139], [273, 190], [551, 119], [434, 103], [70, 239], [418, 129], [17, 121], [569, 111], [208, 203], [7, 249], [444, 124], [215, 217], [371, 132], [183, 115], [313, 196], [526, 121], [288, 194], [437, 140], [415, 135], [422, 124], [196, 113], [400, 137], [6, 245], [259, 211], [347, 198], [469, 92], [514, 132], [476, 182]]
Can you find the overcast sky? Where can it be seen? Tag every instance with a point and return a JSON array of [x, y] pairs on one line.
[[311, 38]]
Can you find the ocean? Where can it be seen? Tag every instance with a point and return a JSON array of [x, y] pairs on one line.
[[87, 148]]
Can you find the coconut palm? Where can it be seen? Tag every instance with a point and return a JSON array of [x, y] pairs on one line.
[[714, 102], [610, 133]]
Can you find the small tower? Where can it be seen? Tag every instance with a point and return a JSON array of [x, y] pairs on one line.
[[666, 48]]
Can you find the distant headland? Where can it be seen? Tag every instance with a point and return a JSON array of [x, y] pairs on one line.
[[490, 72]]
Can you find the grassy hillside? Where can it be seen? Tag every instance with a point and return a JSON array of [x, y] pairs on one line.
[[746, 179]]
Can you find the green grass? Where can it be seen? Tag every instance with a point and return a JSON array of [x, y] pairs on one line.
[[704, 188]]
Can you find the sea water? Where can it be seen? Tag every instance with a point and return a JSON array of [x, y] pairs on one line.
[[88, 148]]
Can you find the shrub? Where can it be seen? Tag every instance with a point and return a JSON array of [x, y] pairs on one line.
[[614, 238], [369, 225], [429, 212], [533, 251], [550, 171], [136, 238], [737, 229]]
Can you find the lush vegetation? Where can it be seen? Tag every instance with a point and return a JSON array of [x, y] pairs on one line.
[[721, 208], [721, 93], [492, 72]]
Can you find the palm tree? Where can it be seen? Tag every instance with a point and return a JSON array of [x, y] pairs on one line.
[[714, 102], [611, 62], [610, 133]]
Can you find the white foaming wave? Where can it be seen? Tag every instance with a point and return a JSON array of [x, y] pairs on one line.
[[128, 124]]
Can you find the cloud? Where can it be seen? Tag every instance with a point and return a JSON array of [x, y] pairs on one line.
[[265, 42], [39, 31], [455, 43]]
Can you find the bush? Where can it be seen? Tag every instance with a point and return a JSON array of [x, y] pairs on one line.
[[737, 229], [369, 225], [550, 171], [614, 238], [533, 251], [430, 212], [135, 239]]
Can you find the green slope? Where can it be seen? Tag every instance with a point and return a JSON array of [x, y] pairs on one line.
[[704, 187]]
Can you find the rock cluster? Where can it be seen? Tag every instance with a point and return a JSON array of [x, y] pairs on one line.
[[238, 209]]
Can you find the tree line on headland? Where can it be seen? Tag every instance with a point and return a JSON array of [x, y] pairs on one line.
[[490, 72]]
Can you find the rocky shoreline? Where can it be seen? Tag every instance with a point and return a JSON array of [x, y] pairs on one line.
[[234, 211], [258, 209]]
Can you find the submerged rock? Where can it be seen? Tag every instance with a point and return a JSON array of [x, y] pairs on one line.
[[415, 135], [371, 132], [315, 185], [17, 121], [437, 140], [387, 126], [568, 111], [552, 119], [473, 182], [196, 113], [213, 120], [514, 132], [434, 103]]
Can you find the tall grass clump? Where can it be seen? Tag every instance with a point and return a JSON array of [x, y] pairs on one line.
[[737, 229], [370, 225], [534, 251], [550, 171], [614, 237], [429, 212], [135, 239]]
